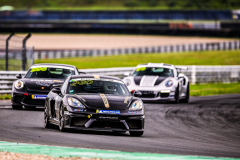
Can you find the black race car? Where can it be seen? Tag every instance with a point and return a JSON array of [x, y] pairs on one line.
[[91, 102], [31, 90]]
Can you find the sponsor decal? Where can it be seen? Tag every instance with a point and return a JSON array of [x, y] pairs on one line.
[[105, 101], [81, 98], [57, 81], [39, 69], [132, 112], [43, 83], [78, 110], [41, 80], [89, 116], [92, 79], [141, 69], [96, 76], [108, 111], [39, 97], [108, 117], [126, 99]]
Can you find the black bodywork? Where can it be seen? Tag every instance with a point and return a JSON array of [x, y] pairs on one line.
[[35, 86], [59, 112]]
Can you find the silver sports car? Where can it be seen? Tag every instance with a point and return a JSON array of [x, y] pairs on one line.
[[159, 82]]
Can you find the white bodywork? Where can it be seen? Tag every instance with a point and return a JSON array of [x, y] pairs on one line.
[[159, 92]]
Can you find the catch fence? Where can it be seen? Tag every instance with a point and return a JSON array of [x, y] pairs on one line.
[[224, 45]]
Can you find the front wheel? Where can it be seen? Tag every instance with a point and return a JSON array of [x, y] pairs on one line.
[[176, 96], [61, 119], [46, 119], [186, 99], [16, 107], [136, 133]]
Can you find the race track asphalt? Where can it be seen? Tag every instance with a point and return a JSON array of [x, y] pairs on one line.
[[207, 126]]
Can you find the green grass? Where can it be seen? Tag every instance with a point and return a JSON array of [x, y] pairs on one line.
[[186, 58], [214, 89], [5, 96], [121, 4]]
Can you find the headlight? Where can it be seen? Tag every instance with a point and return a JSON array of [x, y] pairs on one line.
[[19, 84], [75, 103], [127, 82], [169, 83], [137, 105]]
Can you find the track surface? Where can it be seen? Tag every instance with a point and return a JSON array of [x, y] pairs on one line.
[[207, 126]]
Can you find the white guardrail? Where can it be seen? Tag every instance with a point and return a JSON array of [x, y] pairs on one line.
[[196, 74]]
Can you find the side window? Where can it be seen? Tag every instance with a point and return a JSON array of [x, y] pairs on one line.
[[177, 73], [64, 86]]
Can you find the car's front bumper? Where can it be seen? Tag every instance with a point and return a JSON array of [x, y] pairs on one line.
[[21, 99], [93, 121]]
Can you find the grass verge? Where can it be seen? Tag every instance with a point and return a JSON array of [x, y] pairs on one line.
[[214, 89], [5, 96], [186, 58]]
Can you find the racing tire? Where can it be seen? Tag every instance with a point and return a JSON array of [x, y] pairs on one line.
[[61, 119], [176, 96], [16, 107], [46, 119], [186, 99], [136, 133]]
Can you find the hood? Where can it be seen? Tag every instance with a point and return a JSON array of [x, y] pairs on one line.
[[41, 85], [105, 101], [148, 81]]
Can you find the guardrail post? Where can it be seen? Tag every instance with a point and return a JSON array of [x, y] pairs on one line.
[[193, 75], [24, 57], [6, 55]]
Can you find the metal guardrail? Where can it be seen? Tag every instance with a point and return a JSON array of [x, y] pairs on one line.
[[196, 74]]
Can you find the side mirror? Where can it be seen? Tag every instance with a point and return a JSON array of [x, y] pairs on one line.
[[56, 90], [137, 93], [126, 74], [18, 76]]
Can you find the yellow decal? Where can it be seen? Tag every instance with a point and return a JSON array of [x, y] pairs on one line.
[[81, 98], [39, 69], [74, 83], [141, 69], [32, 96], [96, 76], [105, 101], [57, 81], [126, 99], [89, 116]]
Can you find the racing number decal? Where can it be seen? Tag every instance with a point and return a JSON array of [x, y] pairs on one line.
[[74, 83], [141, 69], [105, 101], [39, 69]]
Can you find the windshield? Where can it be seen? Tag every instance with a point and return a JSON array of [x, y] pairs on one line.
[[153, 71], [92, 85], [49, 72]]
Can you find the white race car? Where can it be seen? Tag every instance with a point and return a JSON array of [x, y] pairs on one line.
[[159, 82]]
